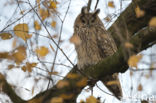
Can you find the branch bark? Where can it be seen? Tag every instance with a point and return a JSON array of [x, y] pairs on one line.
[[106, 67], [128, 24]]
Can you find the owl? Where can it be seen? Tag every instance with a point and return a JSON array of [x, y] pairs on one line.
[[95, 44]]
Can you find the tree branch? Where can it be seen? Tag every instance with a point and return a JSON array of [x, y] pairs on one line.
[[7, 88], [128, 24], [106, 67]]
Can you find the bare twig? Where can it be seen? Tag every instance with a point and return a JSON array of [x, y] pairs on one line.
[[49, 33], [96, 4], [89, 4]]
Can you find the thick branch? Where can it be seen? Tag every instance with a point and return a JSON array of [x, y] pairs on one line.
[[128, 24], [108, 66], [6, 88]]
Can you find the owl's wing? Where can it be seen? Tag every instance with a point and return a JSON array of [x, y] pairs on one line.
[[105, 42]]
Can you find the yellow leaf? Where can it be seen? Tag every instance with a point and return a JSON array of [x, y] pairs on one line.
[[140, 87], [82, 101], [115, 82], [133, 60], [4, 55], [14, 43], [56, 100], [19, 55], [62, 83], [75, 40], [111, 4], [24, 68], [128, 45], [29, 66], [21, 30], [44, 13], [5, 36], [37, 25], [52, 5], [42, 51], [52, 73], [82, 82], [91, 99], [152, 22], [67, 96], [36, 100], [53, 24], [38, 2], [10, 66], [139, 12], [28, 36], [72, 76]]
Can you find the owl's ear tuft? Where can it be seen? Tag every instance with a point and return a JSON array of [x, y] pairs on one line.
[[84, 10], [97, 12]]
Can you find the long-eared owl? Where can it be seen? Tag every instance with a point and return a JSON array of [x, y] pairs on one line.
[[95, 44]]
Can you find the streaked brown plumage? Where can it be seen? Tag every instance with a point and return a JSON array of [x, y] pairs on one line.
[[95, 45]]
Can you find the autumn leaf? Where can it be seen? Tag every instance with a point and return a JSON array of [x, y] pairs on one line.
[[111, 4], [62, 83], [20, 54], [29, 66], [139, 12], [38, 2], [21, 31], [53, 24], [5, 36], [152, 22], [37, 25], [140, 87], [91, 99], [14, 43], [115, 82], [10, 66], [133, 60], [52, 73], [24, 68], [42, 51], [44, 13], [67, 96], [82, 82], [72, 76], [52, 5], [75, 40], [128, 45], [56, 100]]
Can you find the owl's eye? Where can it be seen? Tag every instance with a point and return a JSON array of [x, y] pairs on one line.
[[83, 21], [93, 20]]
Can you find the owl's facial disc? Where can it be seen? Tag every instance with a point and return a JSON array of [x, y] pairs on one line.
[[88, 19]]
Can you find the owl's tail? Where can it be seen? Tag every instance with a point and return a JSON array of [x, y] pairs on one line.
[[113, 84]]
